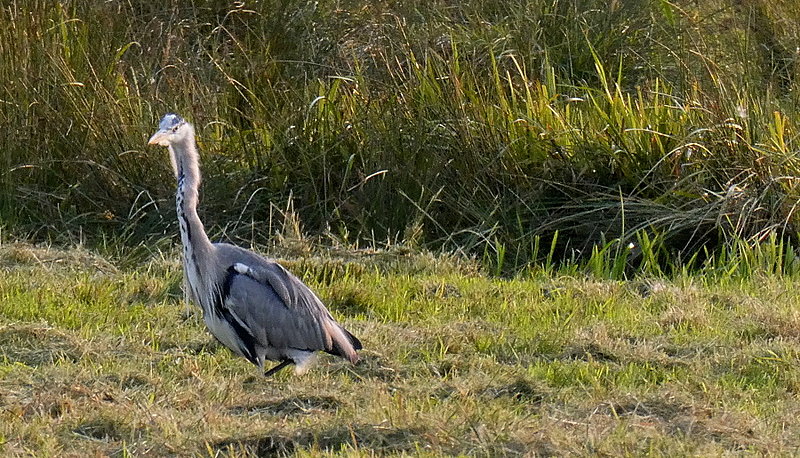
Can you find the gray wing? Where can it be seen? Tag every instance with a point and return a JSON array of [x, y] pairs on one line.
[[282, 312]]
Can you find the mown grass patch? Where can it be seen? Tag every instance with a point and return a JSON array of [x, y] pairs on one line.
[[455, 362]]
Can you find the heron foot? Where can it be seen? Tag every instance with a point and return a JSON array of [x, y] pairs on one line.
[[280, 366]]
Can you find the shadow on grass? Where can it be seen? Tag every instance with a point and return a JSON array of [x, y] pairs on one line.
[[662, 410], [37, 345], [197, 347], [351, 302], [300, 405], [363, 437], [106, 430], [589, 352], [378, 367], [520, 390]]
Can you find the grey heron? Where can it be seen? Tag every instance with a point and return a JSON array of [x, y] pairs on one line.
[[250, 304]]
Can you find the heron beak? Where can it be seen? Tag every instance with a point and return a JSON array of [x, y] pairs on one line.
[[159, 138]]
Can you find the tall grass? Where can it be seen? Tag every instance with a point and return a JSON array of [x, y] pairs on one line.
[[484, 127]]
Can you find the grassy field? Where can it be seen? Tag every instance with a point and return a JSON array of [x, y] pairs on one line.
[[101, 359], [609, 191]]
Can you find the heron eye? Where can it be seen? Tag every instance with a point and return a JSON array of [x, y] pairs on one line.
[[175, 129]]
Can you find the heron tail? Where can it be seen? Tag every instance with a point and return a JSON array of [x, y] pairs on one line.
[[353, 340], [343, 343]]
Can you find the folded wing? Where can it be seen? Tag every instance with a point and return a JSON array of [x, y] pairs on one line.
[[282, 312]]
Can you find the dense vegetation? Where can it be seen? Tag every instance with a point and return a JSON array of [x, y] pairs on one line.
[[482, 126]]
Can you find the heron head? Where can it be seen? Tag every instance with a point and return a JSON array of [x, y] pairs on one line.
[[170, 129]]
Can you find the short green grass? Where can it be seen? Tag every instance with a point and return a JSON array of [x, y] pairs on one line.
[[98, 358]]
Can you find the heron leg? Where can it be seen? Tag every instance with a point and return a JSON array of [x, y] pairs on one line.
[[280, 366]]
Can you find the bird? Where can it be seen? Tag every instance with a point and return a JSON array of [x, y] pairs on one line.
[[250, 304]]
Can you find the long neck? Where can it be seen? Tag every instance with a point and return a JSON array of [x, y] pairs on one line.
[[193, 234]]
